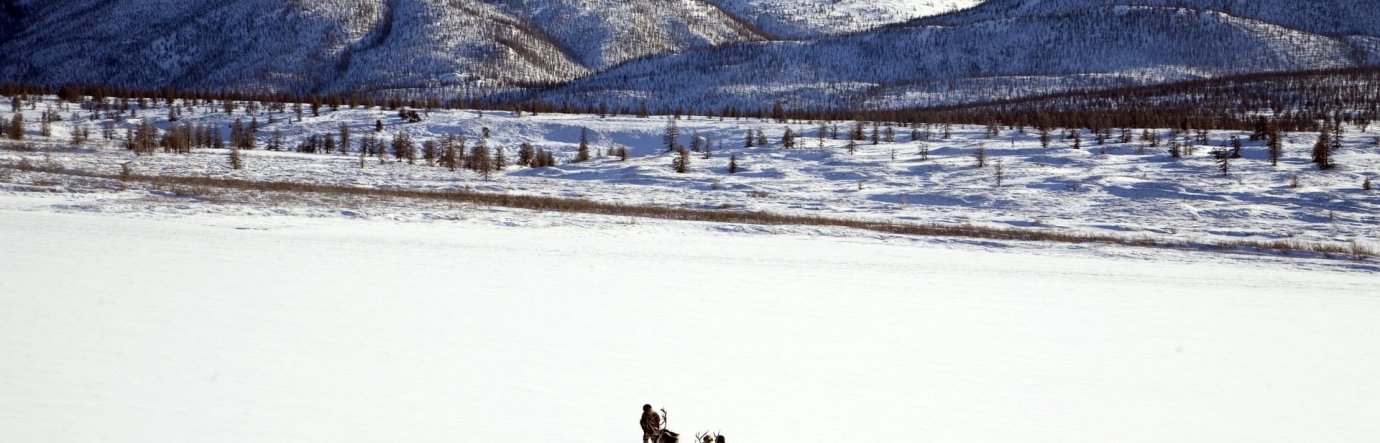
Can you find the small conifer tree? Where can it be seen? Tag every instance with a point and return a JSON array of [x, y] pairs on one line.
[[236, 160], [1276, 147], [672, 136], [1322, 151], [681, 162]]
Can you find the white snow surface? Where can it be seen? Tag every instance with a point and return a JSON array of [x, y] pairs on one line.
[[1121, 189], [815, 18], [505, 326], [131, 313]]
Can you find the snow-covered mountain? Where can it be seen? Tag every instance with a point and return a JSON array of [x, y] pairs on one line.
[[601, 33], [796, 19], [1329, 17], [270, 44], [340, 45], [688, 53], [910, 65]]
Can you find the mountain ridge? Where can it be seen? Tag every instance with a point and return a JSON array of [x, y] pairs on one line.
[[1114, 46], [678, 53]]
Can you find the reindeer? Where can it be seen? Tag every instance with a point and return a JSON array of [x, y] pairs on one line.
[[664, 435], [710, 437], [667, 436]]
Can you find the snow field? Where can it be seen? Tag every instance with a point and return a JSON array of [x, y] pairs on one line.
[[216, 328], [131, 314], [1125, 189]]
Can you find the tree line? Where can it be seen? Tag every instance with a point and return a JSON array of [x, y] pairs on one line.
[[1291, 101]]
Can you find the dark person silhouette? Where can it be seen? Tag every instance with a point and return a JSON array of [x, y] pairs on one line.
[[651, 424]]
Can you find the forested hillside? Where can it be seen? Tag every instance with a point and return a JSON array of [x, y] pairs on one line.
[[803, 19], [688, 54], [1329, 17], [349, 45], [1003, 58]]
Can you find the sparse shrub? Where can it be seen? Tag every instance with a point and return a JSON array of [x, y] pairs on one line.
[[409, 116], [20, 146]]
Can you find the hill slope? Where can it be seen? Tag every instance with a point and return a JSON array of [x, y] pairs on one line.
[[1329, 17], [688, 53], [802, 19], [986, 59], [602, 33], [341, 45]]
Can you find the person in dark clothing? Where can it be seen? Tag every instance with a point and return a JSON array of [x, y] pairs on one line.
[[651, 424]]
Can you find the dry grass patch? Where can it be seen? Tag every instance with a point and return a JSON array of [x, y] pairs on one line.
[[281, 192]]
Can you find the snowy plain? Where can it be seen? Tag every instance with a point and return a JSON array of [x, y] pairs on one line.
[[1129, 189], [130, 313], [505, 327]]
